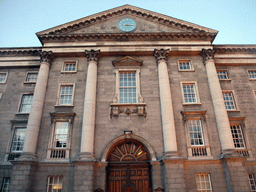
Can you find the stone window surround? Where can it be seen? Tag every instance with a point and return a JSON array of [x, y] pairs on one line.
[[28, 72], [228, 79], [209, 181], [20, 102], [59, 91], [69, 62], [60, 117], [196, 92], [5, 77], [15, 124], [251, 79], [185, 70], [196, 115], [234, 100]]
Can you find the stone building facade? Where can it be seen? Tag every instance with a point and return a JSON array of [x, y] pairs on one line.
[[128, 100]]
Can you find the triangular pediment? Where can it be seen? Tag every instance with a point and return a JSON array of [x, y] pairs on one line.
[[127, 61]]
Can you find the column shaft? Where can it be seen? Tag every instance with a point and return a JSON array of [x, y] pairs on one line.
[[168, 125], [87, 142], [36, 112], [220, 111]]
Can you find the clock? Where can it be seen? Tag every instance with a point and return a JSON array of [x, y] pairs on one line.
[[127, 25]]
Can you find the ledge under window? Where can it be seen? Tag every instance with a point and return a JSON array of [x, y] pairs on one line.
[[191, 103], [128, 109], [224, 79]]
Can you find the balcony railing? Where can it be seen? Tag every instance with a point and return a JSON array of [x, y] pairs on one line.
[[198, 151], [58, 154], [243, 152], [13, 156]]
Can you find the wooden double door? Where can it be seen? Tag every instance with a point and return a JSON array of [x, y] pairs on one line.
[[128, 178]]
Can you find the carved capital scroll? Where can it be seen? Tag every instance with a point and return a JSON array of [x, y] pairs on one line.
[[161, 54], [92, 55], [46, 56], [207, 54]]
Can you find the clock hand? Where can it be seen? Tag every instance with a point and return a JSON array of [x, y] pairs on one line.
[[128, 24]]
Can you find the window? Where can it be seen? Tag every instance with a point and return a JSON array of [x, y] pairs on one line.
[[31, 77], [54, 184], [222, 74], [61, 135], [127, 87], [66, 95], [26, 103], [3, 77], [237, 135], [18, 139], [190, 94], [195, 132], [5, 184], [185, 65], [229, 100], [252, 182], [252, 74], [203, 183], [69, 66]]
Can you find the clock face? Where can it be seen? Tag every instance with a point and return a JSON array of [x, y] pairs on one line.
[[127, 25]]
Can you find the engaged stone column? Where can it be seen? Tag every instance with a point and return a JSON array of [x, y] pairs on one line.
[[34, 120], [220, 111], [87, 142], [168, 126]]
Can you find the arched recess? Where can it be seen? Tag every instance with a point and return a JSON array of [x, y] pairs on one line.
[[128, 136]]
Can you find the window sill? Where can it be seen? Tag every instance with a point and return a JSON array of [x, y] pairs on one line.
[[200, 158], [63, 105], [190, 70], [69, 72], [22, 113], [233, 110], [224, 79], [191, 103], [252, 79], [30, 82], [128, 109]]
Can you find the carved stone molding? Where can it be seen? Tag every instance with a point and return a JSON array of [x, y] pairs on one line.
[[46, 56], [207, 54], [161, 54], [193, 114], [92, 55], [128, 109]]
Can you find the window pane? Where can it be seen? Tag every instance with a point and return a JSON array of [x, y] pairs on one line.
[[184, 65], [229, 101], [70, 67], [5, 184], [252, 74], [196, 134], [26, 103], [203, 182], [189, 93], [61, 134], [54, 184], [18, 140], [127, 87], [66, 95], [2, 77], [237, 136], [31, 77], [222, 74], [252, 182]]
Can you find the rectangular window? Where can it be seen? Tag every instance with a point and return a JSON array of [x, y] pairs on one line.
[[189, 93], [252, 74], [185, 65], [252, 181], [203, 183], [70, 66], [66, 95], [195, 132], [61, 135], [237, 135], [222, 74], [3, 77], [229, 100], [5, 184], [54, 184], [26, 103], [18, 139], [31, 77], [127, 87]]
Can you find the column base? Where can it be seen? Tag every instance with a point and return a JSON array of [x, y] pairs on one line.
[[86, 156], [27, 157], [170, 155]]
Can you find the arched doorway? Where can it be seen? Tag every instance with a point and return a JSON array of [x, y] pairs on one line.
[[129, 167]]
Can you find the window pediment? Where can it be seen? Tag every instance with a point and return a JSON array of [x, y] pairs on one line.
[[127, 61]]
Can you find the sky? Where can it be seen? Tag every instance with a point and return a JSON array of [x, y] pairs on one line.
[[21, 19]]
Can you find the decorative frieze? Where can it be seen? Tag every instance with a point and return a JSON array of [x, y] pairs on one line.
[[117, 109]]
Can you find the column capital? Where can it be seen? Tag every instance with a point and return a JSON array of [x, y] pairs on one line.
[[92, 55], [46, 56], [207, 54], [161, 54]]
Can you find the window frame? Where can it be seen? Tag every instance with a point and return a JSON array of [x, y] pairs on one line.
[[29, 72], [223, 70], [185, 70], [54, 176], [20, 103], [59, 94], [209, 181], [252, 179], [234, 100], [242, 134], [248, 71], [5, 77], [69, 62], [4, 183], [196, 93], [202, 132]]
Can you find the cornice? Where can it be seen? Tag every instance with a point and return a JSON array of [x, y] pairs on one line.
[[126, 9], [227, 49], [127, 37], [20, 51]]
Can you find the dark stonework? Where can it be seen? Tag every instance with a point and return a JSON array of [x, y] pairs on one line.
[[46, 56], [207, 54], [161, 54], [92, 55]]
